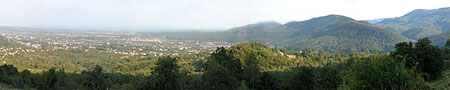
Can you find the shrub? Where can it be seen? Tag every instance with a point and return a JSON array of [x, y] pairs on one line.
[[381, 72]]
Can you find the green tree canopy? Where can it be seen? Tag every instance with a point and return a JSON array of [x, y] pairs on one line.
[[96, 79], [167, 74], [426, 57], [222, 70], [380, 72]]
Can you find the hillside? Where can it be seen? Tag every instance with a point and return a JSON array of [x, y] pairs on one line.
[[340, 33], [329, 33], [259, 32], [440, 39], [419, 23]]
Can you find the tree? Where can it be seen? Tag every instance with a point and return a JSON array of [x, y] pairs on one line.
[[167, 74], [426, 57], [381, 72], [328, 77], [222, 70], [47, 80], [448, 43], [252, 72], [8, 73], [226, 59], [218, 77], [25, 79], [96, 79], [429, 57], [407, 50], [303, 79], [65, 81], [268, 82]]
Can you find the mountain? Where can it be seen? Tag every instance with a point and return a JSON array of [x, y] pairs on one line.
[[375, 20], [338, 33], [259, 32], [419, 23], [440, 39], [329, 33]]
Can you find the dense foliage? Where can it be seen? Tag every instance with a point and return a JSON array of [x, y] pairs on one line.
[[244, 66], [423, 56], [380, 72]]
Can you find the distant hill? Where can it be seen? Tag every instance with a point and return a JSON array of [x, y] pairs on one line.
[[419, 23], [330, 33], [375, 20], [440, 39], [338, 33], [259, 32]]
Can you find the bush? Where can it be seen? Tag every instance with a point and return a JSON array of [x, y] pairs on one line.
[[314, 78], [381, 72]]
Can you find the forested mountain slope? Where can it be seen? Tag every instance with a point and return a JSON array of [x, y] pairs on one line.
[[330, 33], [419, 23], [339, 33], [440, 39]]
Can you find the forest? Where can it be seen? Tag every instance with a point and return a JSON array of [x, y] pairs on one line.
[[254, 66]]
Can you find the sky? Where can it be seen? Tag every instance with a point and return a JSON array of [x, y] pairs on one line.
[[203, 15]]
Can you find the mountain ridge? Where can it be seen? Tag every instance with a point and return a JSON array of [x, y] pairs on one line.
[[331, 33], [419, 23]]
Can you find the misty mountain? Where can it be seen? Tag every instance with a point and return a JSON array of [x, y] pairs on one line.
[[419, 23], [330, 33], [338, 33], [259, 32]]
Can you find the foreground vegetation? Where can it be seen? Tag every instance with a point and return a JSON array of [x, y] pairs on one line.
[[256, 66]]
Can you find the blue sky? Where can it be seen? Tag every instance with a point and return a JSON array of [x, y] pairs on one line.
[[193, 14]]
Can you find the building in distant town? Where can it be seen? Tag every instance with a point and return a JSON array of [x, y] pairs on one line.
[[292, 56]]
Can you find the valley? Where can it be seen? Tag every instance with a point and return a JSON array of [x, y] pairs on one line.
[[330, 52]]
